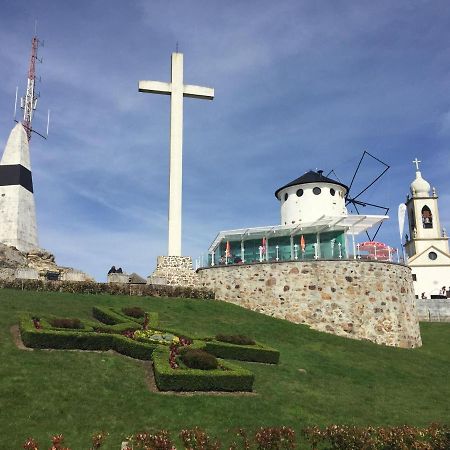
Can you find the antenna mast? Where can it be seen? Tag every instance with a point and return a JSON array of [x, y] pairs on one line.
[[29, 103]]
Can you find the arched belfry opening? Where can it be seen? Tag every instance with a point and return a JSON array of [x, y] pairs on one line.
[[427, 217]]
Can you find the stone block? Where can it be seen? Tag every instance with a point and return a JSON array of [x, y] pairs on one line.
[[73, 275], [118, 278], [26, 273]]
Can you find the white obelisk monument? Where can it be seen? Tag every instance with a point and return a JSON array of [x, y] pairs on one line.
[[17, 208], [177, 90]]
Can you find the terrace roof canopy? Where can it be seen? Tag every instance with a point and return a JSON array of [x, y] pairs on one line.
[[351, 224]]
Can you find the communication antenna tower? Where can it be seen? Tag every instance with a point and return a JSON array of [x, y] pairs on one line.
[[29, 102]]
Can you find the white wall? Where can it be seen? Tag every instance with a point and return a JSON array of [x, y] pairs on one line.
[[430, 279], [310, 207]]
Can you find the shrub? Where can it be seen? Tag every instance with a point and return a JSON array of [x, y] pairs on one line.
[[134, 311], [66, 323], [269, 438], [160, 440], [111, 316], [105, 315], [198, 359], [119, 328], [198, 439], [343, 437], [256, 353], [238, 339]]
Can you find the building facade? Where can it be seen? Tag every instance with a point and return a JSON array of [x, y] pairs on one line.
[[426, 245], [315, 224]]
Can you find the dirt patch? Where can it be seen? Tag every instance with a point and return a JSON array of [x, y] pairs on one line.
[[15, 332]]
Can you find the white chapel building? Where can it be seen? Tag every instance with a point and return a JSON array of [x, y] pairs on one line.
[[426, 245]]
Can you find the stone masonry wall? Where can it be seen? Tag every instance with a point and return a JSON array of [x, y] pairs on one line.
[[174, 271], [357, 299], [433, 310]]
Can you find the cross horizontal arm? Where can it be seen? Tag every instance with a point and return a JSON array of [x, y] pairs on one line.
[[198, 92], [155, 87]]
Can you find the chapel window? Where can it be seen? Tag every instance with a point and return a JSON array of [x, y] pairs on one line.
[[412, 219], [427, 217]]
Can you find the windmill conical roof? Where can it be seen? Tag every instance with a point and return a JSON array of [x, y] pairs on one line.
[[311, 177]]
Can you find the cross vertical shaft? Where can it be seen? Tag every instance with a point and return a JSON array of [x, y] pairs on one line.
[[176, 156], [177, 90]]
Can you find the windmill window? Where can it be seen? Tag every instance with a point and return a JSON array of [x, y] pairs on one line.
[[286, 196], [332, 192], [317, 190], [299, 192], [427, 217], [432, 256], [414, 277]]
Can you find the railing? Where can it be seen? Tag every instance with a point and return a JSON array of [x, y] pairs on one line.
[[278, 254]]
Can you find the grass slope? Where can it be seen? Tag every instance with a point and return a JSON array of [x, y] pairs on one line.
[[346, 381]]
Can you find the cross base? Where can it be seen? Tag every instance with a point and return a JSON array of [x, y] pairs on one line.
[[174, 271]]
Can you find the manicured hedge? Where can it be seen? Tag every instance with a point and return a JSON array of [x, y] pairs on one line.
[[167, 379], [111, 316], [152, 317], [91, 287], [256, 353], [43, 338], [88, 325], [106, 315], [116, 329]]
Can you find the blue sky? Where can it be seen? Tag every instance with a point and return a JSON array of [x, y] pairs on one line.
[[299, 85]]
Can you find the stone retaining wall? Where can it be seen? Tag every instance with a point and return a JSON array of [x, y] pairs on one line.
[[433, 310], [357, 299]]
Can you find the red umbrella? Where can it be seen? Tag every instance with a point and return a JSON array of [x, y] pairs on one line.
[[380, 249], [302, 243], [227, 249]]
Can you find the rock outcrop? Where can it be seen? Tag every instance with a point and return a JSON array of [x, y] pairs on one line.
[[37, 263]]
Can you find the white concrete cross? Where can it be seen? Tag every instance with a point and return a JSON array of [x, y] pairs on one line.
[[177, 90], [416, 162]]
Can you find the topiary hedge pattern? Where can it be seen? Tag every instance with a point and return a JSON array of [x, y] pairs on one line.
[[180, 363]]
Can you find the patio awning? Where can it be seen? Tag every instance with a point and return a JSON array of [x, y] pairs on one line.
[[351, 224]]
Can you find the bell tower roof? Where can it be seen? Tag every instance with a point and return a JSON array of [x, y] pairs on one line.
[[419, 187]]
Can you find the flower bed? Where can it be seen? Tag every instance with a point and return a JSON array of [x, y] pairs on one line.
[[156, 336]]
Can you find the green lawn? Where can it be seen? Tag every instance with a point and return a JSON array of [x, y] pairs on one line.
[[346, 381]]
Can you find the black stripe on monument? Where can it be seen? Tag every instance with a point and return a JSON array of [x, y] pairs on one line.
[[16, 175]]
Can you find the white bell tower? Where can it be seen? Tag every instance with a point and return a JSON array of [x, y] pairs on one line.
[[427, 243]]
